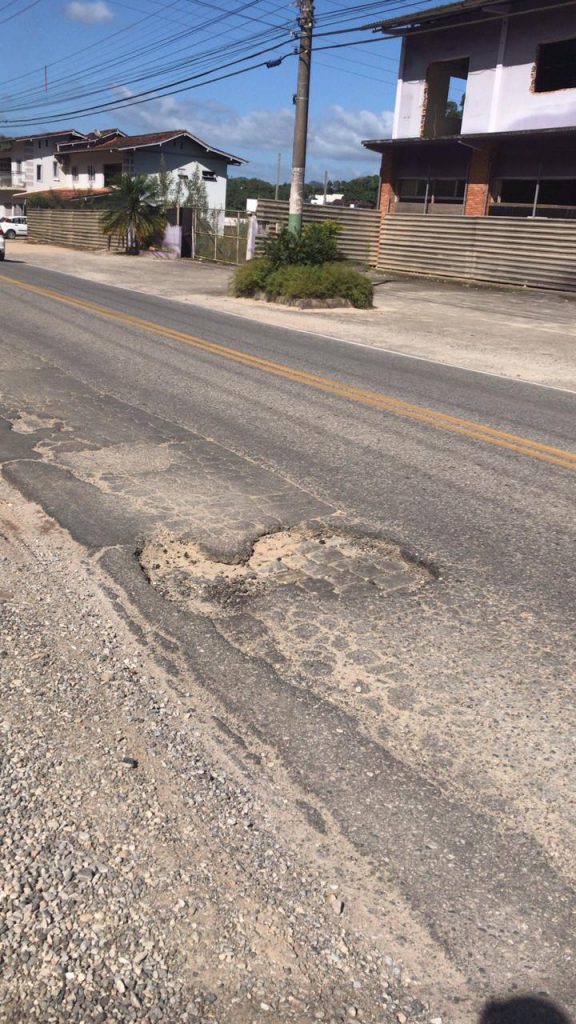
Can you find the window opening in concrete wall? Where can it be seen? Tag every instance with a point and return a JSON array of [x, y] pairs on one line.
[[424, 192], [526, 197], [518, 190], [556, 66], [412, 190], [445, 97], [557, 193], [448, 190]]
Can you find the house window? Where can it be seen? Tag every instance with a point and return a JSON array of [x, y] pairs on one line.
[[208, 176], [445, 95], [112, 172], [39, 143], [38, 172], [440, 190], [556, 66], [46, 143], [518, 191], [449, 190], [55, 170], [74, 174], [411, 190], [557, 193], [91, 172]]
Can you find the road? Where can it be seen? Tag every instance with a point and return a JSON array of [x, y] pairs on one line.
[[366, 562]]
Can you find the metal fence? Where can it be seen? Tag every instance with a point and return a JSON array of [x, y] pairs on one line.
[[358, 238], [502, 250], [217, 235], [76, 229]]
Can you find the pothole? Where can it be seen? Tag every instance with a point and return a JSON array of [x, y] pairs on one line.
[[31, 423], [307, 559]]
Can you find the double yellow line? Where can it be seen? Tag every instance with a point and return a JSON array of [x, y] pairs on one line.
[[365, 396]]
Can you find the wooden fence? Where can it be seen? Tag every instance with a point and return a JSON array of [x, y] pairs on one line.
[[525, 252], [76, 229], [358, 238]]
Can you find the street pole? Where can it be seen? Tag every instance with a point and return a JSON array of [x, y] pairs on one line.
[[305, 21], [278, 166], [325, 188]]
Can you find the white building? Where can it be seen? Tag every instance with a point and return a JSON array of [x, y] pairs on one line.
[[485, 116], [69, 162]]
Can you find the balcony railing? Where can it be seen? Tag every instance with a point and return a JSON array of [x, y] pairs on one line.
[[12, 181]]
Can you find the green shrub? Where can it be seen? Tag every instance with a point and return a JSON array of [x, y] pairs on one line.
[[251, 278], [317, 244], [330, 281]]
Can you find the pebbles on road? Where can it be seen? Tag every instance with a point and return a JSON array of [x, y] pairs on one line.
[[140, 878]]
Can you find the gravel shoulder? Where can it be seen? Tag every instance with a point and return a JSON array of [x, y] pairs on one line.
[[528, 335], [142, 878]]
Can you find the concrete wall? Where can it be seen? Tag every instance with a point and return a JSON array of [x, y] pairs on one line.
[[499, 94]]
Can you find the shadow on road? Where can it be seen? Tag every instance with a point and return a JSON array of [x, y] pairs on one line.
[[523, 1010]]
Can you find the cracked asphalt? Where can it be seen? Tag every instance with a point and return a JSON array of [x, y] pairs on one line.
[[423, 729]]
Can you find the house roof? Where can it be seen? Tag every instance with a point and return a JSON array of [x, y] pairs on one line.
[[378, 145], [428, 16], [47, 135], [156, 139]]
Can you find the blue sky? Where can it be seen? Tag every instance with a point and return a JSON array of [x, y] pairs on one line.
[[97, 51]]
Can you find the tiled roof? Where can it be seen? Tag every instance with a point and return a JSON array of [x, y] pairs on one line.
[[48, 135], [156, 139]]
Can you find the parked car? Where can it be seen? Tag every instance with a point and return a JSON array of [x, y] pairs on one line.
[[12, 226], [2, 246]]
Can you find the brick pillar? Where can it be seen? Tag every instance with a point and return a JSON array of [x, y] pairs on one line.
[[387, 183], [479, 175]]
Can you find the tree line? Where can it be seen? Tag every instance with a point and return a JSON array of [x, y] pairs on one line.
[[362, 190]]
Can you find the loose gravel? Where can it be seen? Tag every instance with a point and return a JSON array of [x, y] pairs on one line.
[[140, 878]]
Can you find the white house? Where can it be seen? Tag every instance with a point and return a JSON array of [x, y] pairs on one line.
[[485, 117], [69, 162]]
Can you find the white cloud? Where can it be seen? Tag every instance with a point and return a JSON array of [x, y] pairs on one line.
[[334, 139], [91, 12]]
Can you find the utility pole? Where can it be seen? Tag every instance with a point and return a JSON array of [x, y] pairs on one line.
[[278, 166], [325, 188], [306, 22]]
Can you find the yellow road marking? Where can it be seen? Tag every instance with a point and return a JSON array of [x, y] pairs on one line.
[[386, 403]]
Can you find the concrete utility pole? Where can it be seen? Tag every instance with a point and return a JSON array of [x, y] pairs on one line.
[[278, 166], [306, 22]]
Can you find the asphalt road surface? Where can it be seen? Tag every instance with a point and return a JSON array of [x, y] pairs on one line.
[[368, 561]]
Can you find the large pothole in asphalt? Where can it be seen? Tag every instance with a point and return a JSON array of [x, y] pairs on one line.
[[308, 559]]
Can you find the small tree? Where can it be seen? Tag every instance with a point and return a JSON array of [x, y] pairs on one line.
[[134, 211], [164, 186], [196, 193]]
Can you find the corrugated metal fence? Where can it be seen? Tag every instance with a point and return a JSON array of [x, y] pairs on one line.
[[77, 229], [501, 250], [358, 237]]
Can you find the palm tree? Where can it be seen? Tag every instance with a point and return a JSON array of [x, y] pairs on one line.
[[134, 210]]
